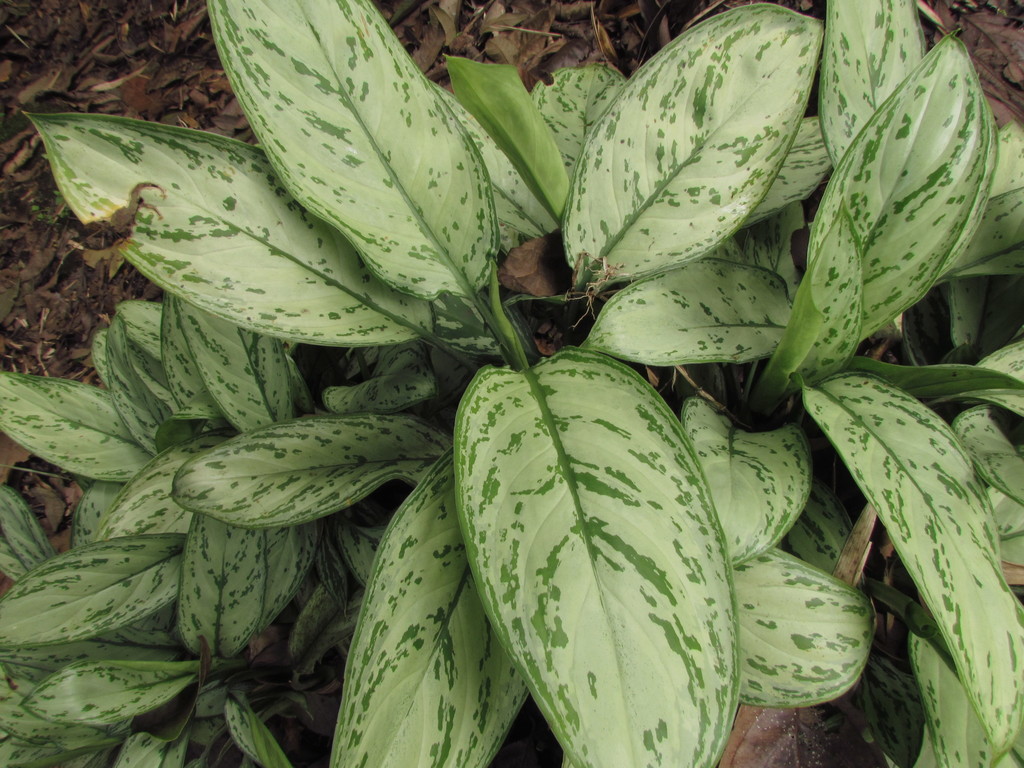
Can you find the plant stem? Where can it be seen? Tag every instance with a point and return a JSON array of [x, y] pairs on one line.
[[506, 333]]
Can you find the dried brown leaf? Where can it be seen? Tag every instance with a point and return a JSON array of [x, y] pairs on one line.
[[537, 267]]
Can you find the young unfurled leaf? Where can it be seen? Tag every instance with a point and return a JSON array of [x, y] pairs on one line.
[[354, 151], [759, 481], [495, 96], [691, 144], [70, 424], [297, 471], [913, 471], [91, 590], [424, 654], [401, 378], [594, 543]]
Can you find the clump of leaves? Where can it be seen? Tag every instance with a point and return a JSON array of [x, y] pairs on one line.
[[626, 528]]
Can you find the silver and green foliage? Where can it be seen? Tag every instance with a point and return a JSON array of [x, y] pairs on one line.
[[331, 469]]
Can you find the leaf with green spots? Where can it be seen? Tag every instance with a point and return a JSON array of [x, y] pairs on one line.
[[145, 504], [97, 496], [759, 481], [424, 653], [247, 374], [358, 546], [871, 46], [891, 702], [819, 534], [362, 138], [401, 378], [225, 236], [91, 590], [108, 692], [998, 245], [494, 94], [140, 750], [712, 310], [691, 145], [952, 728], [805, 636], [251, 735], [769, 244], [69, 424], [914, 472], [573, 102], [999, 462], [288, 554], [985, 312], [297, 471], [599, 559], [806, 165], [23, 542], [925, 381]]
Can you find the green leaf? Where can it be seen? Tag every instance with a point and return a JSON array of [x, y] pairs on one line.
[[19, 754], [141, 750], [999, 462], [297, 471], [712, 310], [277, 270], [692, 144], [933, 134], [599, 559], [91, 590], [985, 312], [108, 692], [288, 553], [951, 725], [871, 46], [573, 102], [769, 244], [145, 504], [370, 147], [924, 381], [891, 702], [804, 635], [69, 424], [912, 470], [819, 534], [97, 496], [402, 378], [423, 650], [246, 374], [358, 545], [759, 481], [998, 246], [23, 542], [34, 664], [251, 735], [494, 94], [806, 165]]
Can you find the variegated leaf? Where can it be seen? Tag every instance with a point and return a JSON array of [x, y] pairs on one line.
[[138, 386], [804, 635], [23, 542], [819, 534], [276, 270], [495, 95], [366, 142], [769, 244], [934, 134], [759, 481], [691, 145], [891, 702], [145, 504], [806, 165], [401, 378], [998, 245], [929, 381], [141, 750], [573, 102], [1009, 516], [956, 736], [985, 312], [97, 496], [358, 544], [246, 373], [424, 656], [999, 462], [35, 663], [1009, 360], [598, 556], [913, 471], [712, 310], [297, 471], [108, 692], [871, 46], [288, 555], [69, 424], [251, 735], [91, 590], [142, 320]]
